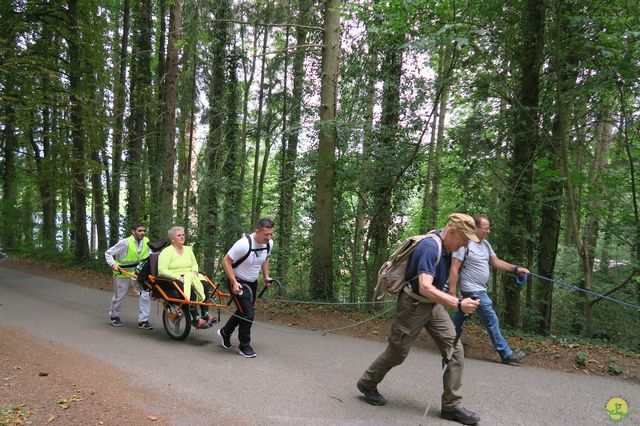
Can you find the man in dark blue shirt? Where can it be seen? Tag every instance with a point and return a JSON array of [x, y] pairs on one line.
[[421, 304]]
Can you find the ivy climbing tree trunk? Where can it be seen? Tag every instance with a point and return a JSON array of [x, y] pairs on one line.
[[565, 62], [525, 139]]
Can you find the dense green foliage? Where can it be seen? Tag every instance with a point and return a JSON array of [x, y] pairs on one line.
[[212, 114]]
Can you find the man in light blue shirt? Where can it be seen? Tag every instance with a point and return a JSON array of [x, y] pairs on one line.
[[470, 268]]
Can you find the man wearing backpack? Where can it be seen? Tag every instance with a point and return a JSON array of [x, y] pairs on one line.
[[242, 265], [421, 303], [126, 255], [470, 267]]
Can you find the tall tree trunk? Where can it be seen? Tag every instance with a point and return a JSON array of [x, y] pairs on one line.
[[47, 188], [256, 161], [156, 148], [232, 184], [520, 223], [436, 173], [425, 213], [188, 107], [248, 81], [210, 190], [9, 189], [321, 278], [290, 147], [119, 102], [267, 147], [564, 64], [595, 202], [385, 147], [97, 196], [78, 159], [169, 119], [359, 250], [140, 96]]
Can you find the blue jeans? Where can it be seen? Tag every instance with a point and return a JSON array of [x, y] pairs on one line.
[[490, 320]]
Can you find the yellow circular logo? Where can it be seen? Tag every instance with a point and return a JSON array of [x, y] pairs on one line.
[[617, 409]]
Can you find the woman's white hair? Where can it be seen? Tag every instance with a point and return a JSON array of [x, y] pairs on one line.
[[174, 230]]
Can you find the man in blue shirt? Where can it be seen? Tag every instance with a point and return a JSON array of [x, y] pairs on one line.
[[470, 268], [421, 304]]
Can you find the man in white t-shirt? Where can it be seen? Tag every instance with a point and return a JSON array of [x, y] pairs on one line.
[[470, 272], [242, 265]]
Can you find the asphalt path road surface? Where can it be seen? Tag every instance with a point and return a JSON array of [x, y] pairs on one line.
[[298, 377]]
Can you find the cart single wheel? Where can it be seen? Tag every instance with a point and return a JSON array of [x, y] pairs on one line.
[[176, 321]]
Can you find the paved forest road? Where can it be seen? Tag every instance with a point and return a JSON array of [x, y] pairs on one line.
[[296, 378]]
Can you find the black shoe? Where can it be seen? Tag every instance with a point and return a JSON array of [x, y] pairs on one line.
[[145, 325], [247, 352], [115, 321], [371, 396], [225, 340], [461, 415], [516, 356]]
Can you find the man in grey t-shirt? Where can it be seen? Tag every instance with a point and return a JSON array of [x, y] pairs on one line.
[[470, 268]]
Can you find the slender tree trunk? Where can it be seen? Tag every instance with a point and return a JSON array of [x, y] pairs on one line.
[[385, 147], [188, 107], [78, 160], [436, 173], [291, 135], [359, 251], [119, 102], [156, 161], [98, 201], [210, 190], [321, 278], [169, 118], [595, 203], [256, 160], [425, 213], [248, 81], [267, 149], [140, 97], [232, 184]]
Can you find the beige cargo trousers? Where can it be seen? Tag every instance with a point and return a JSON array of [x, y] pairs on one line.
[[411, 315]]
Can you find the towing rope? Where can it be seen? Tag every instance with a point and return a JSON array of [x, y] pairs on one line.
[[599, 296], [329, 330]]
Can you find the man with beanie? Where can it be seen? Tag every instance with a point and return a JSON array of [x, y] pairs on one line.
[[422, 304]]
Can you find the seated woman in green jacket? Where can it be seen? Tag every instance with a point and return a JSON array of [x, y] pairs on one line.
[[178, 262]]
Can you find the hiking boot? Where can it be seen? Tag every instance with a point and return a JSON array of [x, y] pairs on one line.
[[115, 321], [225, 340], [516, 356], [247, 352], [145, 325], [371, 396], [461, 415]]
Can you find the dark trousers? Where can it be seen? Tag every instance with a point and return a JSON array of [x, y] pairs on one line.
[[203, 309], [243, 316]]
